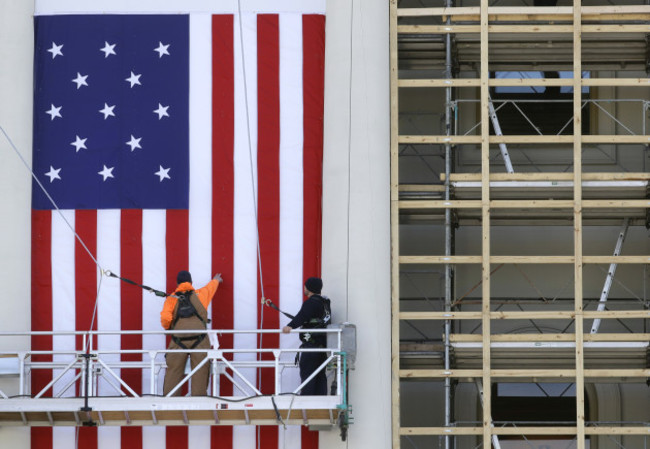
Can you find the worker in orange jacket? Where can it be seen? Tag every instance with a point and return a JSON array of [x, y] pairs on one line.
[[188, 310]]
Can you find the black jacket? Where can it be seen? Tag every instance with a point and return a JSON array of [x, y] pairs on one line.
[[312, 309]]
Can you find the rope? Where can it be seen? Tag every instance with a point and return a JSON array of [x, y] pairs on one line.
[[92, 320], [77, 236], [49, 197], [250, 146], [250, 155]]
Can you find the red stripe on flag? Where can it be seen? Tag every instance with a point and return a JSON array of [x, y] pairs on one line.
[[268, 205], [85, 272], [177, 244], [41, 437], [313, 48], [223, 179], [131, 308], [313, 31]]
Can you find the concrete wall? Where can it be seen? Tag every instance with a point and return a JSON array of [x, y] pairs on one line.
[[356, 238], [16, 49]]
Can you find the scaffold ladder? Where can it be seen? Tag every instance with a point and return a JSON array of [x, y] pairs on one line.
[[497, 130]]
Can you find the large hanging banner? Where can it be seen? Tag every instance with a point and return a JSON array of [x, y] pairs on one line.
[[168, 141]]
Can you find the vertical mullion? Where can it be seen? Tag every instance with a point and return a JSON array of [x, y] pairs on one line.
[[485, 212], [394, 230], [577, 211]]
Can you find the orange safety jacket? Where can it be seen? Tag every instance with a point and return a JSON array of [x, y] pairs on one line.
[[205, 295]]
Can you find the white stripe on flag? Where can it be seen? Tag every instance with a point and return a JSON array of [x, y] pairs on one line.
[[200, 207], [108, 313], [153, 274], [63, 310], [200, 202], [245, 229], [63, 295], [108, 302], [109, 437], [291, 194], [245, 157]]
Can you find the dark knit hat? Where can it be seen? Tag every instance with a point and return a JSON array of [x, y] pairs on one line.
[[314, 285], [183, 276]]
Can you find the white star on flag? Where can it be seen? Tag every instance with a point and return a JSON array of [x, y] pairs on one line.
[[79, 143], [54, 173], [109, 49], [134, 142], [54, 112], [107, 111], [134, 79], [163, 173], [80, 80], [56, 50], [162, 49], [106, 172], [161, 111]]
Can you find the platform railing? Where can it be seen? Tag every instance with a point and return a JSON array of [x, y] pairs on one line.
[[81, 371]]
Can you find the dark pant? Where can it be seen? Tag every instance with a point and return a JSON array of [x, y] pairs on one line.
[[309, 362]]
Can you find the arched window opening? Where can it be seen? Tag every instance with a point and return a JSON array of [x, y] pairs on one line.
[[535, 404]]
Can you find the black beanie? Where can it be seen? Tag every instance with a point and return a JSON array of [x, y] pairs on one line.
[[183, 276], [314, 285]]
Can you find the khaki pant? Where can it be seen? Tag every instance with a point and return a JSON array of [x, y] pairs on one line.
[[176, 368]]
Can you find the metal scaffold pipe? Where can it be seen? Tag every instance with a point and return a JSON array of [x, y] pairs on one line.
[[448, 226]]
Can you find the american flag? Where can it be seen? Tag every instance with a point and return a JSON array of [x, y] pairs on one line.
[[157, 136]]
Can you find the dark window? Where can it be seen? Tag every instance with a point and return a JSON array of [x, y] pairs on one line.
[[522, 109], [535, 404]]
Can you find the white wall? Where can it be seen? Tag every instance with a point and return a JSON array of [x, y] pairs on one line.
[[356, 241], [356, 218], [16, 50]]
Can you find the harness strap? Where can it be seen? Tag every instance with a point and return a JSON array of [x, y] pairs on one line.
[[196, 313], [179, 340], [129, 281], [269, 303]]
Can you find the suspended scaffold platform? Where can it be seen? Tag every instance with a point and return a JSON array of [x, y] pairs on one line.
[[102, 386]]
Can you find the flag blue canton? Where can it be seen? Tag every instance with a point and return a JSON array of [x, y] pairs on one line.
[[111, 120]]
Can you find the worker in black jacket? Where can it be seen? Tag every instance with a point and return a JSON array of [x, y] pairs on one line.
[[314, 314]]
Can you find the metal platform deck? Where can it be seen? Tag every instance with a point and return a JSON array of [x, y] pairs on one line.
[[177, 411], [72, 387]]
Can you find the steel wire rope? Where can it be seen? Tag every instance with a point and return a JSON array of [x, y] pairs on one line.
[[49, 197], [65, 220], [254, 193]]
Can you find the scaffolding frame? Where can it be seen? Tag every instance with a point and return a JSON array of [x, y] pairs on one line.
[[483, 26]]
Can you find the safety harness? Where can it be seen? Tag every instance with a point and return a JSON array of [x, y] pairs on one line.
[[314, 323], [317, 323], [185, 309]]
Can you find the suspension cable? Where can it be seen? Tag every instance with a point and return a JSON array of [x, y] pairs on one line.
[[250, 146], [49, 197], [65, 220], [254, 189]]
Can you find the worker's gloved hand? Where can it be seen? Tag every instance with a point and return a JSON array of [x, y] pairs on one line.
[[217, 277]]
